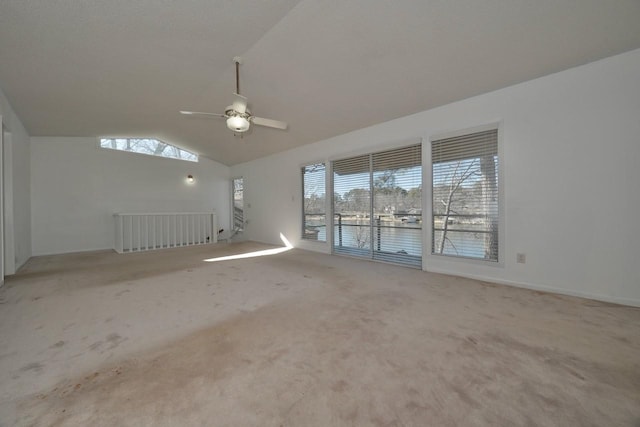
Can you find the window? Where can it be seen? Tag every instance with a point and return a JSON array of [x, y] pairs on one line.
[[313, 202], [237, 195], [465, 196], [152, 147], [377, 205]]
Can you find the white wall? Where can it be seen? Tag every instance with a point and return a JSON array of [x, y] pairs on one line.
[[78, 186], [17, 196], [570, 157]]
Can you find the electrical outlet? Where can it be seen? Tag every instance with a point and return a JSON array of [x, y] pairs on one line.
[[521, 258]]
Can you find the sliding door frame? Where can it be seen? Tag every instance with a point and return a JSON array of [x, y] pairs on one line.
[[331, 187]]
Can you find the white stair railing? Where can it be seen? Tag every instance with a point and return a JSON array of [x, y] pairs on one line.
[[148, 231]]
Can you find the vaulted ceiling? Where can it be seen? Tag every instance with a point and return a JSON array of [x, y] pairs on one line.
[[125, 68]]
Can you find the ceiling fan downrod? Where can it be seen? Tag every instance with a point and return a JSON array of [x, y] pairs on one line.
[[237, 60]]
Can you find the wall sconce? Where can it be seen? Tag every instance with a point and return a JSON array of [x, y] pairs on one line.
[[190, 179]]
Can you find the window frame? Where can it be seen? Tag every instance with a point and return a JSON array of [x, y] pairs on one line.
[[301, 168], [428, 201], [104, 138]]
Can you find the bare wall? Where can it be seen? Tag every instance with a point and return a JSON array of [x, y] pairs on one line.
[[78, 186], [570, 155]]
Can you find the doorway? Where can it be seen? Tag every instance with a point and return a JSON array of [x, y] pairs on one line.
[[1, 205], [8, 257], [237, 204]]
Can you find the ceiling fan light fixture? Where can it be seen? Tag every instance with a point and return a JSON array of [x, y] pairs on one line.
[[238, 124]]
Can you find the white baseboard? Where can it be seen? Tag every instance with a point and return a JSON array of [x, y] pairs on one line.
[[73, 251], [633, 302]]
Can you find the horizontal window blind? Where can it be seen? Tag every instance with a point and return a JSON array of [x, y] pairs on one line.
[[352, 165], [465, 196], [465, 147], [402, 158], [313, 202], [352, 206], [397, 205]]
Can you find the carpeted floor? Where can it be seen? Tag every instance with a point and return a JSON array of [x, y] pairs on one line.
[[302, 339]]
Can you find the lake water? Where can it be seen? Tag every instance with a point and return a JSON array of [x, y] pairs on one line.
[[402, 238]]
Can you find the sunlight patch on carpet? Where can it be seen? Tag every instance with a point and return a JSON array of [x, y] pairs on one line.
[[287, 246]]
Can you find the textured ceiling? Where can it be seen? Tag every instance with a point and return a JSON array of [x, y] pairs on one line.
[[125, 68]]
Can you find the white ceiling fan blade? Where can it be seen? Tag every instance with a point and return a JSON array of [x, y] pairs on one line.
[[199, 113], [240, 104], [269, 123]]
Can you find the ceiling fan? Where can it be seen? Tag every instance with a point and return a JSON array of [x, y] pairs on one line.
[[238, 116]]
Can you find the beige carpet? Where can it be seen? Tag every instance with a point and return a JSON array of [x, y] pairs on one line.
[[302, 339]]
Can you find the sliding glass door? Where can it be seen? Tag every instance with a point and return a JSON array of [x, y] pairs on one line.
[[377, 206], [352, 206]]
